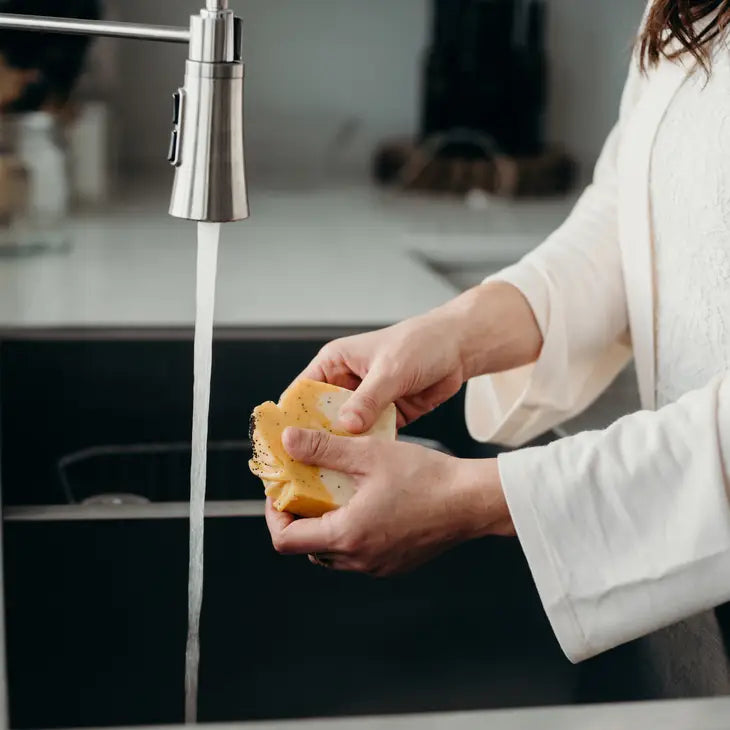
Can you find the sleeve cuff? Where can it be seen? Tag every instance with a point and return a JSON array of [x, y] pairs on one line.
[[540, 557], [531, 283]]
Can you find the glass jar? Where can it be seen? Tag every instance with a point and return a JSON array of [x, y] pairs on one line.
[[34, 184]]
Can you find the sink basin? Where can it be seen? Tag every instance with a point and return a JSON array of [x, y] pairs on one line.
[[96, 599]]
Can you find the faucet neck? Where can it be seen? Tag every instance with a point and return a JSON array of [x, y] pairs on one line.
[[215, 35]]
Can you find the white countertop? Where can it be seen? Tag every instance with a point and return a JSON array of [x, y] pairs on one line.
[[335, 256]]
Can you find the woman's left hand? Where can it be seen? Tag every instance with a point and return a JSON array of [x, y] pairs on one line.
[[411, 504]]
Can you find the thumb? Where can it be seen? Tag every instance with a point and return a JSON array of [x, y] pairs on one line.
[[376, 392], [320, 448]]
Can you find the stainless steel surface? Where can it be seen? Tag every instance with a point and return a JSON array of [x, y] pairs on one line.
[[111, 29], [702, 714], [214, 37], [152, 511], [706, 714], [217, 4], [207, 141], [210, 179]]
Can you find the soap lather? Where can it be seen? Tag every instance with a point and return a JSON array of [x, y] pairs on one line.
[[206, 147]]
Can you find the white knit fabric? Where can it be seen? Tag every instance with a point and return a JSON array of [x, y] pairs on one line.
[[690, 190]]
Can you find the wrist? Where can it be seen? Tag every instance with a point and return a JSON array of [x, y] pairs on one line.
[[495, 327], [479, 501]]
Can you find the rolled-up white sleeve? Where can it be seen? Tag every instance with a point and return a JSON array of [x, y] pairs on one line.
[[574, 284], [627, 530]]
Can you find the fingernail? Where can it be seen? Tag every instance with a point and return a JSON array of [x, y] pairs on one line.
[[352, 421]]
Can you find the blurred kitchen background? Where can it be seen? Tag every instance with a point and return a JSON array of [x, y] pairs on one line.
[[329, 82]]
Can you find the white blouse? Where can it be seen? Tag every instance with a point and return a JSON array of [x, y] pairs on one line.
[[690, 195]]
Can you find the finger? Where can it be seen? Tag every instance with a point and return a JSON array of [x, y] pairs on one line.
[[336, 562], [329, 366], [313, 371], [276, 521], [340, 376], [410, 410], [376, 392], [401, 420], [322, 560], [302, 537], [320, 448], [414, 406]]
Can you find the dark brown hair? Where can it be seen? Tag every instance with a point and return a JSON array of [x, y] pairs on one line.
[[675, 20]]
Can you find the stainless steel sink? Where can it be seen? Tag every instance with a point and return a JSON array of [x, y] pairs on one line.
[[96, 608]]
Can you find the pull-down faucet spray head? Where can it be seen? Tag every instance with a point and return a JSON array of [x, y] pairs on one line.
[[206, 147]]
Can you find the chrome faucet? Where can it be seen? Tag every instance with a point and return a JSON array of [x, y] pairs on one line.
[[206, 144]]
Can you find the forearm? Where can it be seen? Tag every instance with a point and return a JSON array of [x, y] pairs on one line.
[[496, 328]]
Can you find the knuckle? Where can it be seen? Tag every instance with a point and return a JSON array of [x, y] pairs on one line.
[[279, 544], [318, 444], [335, 528], [347, 540], [326, 352], [394, 364], [365, 453], [332, 350], [374, 450], [391, 366], [341, 539], [368, 402]]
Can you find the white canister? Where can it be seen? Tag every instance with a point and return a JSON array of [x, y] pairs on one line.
[[35, 190]]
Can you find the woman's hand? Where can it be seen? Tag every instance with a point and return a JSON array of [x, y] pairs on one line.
[[415, 364], [411, 504], [422, 362]]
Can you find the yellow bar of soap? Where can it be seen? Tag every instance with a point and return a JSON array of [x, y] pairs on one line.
[[303, 490]]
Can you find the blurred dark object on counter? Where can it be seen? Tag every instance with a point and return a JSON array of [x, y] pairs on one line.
[[438, 166], [38, 71], [484, 99], [486, 71]]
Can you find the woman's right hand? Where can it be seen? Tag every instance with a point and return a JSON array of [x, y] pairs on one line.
[[415, 364], [420, 363]]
